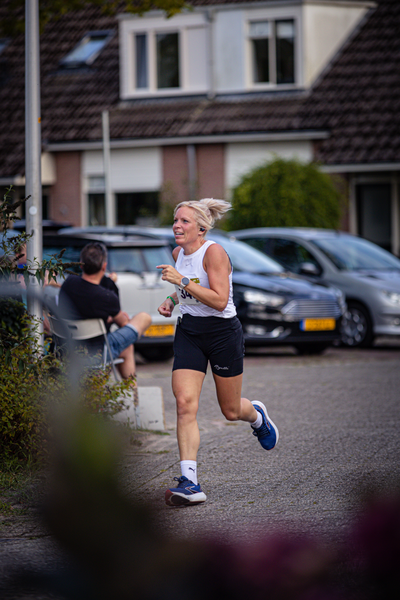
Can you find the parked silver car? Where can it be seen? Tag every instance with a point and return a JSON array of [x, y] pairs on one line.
[[367, 275]]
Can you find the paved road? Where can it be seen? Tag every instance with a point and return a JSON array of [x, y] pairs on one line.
[[338, 418]]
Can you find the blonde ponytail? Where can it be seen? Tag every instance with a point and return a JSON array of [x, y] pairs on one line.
[[207, 211]]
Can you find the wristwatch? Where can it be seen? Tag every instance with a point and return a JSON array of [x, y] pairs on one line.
[[184, 282]]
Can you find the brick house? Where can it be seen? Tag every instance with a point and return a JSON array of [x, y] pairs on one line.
[[196, 101]]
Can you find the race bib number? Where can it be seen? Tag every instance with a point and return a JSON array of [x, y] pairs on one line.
[[184, 297]]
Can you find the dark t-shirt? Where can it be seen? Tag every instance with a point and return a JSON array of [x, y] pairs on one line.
[[80, 299], [108, 283]]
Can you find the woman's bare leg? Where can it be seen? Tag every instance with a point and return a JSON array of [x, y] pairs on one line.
[[233, 406], [186, 386]]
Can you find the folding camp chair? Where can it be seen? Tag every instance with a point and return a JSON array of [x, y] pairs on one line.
[[82, 330]]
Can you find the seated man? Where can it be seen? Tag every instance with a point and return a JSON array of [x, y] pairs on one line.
[[84, 297]]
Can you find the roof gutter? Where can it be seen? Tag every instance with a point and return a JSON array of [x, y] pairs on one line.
[[361, 168], [179, 141]]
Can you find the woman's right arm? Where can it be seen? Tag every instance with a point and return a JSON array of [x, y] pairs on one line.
[[170, 302]]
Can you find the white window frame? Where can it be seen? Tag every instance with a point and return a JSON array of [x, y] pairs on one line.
[[151, 26], [272, 16]]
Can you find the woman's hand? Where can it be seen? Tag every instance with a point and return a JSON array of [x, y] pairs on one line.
[[170, 274], [166, 308]]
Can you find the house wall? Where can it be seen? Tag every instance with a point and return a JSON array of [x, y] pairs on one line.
[[209, 175], [132, 169], [48, 169], [325, 29], [66, 195], [240, 158], [210, 170], [175, 174], [228, 56]]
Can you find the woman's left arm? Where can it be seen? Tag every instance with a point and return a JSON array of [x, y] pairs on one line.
[[216, 264]]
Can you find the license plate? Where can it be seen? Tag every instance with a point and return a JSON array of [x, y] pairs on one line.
[[159, 330], [317, 324]]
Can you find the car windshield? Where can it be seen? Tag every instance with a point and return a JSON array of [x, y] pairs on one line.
[[354, 254], [71, 254], [137, 260], [157, 256], [246, 258], [125, 260]]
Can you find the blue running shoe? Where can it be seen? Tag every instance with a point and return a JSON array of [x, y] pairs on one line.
[[267, 434], [185, 493]]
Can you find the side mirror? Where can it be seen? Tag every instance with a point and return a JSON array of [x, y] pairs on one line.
[[308, 268]]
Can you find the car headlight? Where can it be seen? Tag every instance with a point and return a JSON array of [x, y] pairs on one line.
[[340, 298], [393, 297], [263, 299]]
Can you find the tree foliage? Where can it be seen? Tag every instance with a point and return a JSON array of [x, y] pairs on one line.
[[44, 271], [14, 21], [285, 193]]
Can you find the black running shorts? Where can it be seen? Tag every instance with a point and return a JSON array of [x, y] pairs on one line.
[[202, 339]]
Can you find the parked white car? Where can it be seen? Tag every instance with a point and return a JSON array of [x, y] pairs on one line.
[[134, 259]]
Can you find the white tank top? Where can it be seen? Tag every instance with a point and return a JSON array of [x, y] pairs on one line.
[[192, 266]]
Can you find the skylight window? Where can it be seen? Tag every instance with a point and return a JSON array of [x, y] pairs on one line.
[[3, 44], [87, 50]]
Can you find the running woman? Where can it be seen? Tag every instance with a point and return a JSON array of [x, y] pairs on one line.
[[208, 330]]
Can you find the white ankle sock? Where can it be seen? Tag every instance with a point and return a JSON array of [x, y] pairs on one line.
[[258, 422], [189, 470]]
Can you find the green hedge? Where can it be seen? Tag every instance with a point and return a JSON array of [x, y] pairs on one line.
[[285, 193]]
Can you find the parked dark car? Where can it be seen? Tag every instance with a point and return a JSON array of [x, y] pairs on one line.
[[274, 308], [368, 275], [278, 309]]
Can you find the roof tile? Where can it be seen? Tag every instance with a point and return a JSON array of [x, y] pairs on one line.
[[357, 100]]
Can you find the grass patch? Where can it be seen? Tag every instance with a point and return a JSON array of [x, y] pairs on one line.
[[20, 483], [15, 475], [5, 509]]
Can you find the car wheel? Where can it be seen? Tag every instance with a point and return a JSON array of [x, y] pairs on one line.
[[160, 353], [356, 327], [312, 348]]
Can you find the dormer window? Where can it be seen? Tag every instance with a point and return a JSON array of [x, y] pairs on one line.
[[87, 50], [260, 37], [141, 61], [167, 60], [273, 51], [164, 57], [167, 71]]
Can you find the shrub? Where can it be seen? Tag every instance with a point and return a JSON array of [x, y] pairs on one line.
[[32, 382], [285, 193], [12, 313]]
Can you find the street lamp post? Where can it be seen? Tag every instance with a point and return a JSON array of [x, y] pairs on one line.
[[33, 184], [110, 214]]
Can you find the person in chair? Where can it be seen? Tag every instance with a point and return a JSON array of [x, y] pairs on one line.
[[85, 297]]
